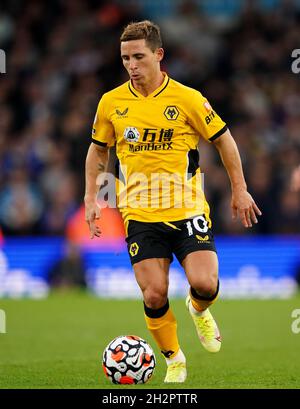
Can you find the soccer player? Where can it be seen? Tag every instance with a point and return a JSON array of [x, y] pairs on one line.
[[155, 123]]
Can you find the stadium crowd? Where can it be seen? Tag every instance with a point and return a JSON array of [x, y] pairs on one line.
[[63, 55]]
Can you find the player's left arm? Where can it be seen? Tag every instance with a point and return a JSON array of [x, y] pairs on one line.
[[242, 203]]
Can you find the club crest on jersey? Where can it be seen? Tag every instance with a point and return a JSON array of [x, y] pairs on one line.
[[131, 134], [171, 113]]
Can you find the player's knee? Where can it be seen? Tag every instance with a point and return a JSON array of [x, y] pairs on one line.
[[206, 287], [155, 297]]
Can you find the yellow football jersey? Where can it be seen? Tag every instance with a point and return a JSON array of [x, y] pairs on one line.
[[156, 137]]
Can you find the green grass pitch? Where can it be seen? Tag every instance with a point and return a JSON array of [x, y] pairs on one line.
[[58, 343]]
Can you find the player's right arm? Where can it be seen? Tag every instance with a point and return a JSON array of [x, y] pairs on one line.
[[96, 163]]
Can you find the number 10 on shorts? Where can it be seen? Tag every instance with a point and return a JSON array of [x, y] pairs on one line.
[[199, 223]]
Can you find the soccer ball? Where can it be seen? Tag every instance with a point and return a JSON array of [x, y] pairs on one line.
[[128, 359]]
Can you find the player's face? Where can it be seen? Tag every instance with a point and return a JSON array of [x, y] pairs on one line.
[[141, 63]]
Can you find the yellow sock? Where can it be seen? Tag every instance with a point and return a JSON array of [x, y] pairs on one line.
[[201, 303], [163, 327]]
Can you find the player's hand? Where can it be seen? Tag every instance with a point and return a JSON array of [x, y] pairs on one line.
[[243, 205], [92, 213]]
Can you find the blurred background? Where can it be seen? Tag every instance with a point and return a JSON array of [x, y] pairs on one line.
[[61, 56]]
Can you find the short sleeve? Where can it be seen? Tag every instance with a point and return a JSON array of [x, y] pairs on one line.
[[103, 131], [204, 119]]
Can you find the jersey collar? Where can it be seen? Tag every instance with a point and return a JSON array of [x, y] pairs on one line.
[[153, 94]]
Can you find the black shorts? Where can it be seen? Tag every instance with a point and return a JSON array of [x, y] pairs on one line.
[[162, 239]]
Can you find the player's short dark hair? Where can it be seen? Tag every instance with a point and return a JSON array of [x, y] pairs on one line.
[[143, 30]]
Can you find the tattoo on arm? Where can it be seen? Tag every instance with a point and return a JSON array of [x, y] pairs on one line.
[[101, 167]]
